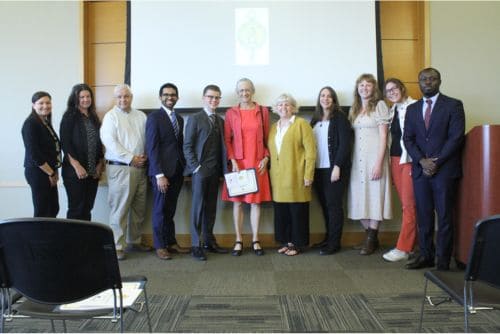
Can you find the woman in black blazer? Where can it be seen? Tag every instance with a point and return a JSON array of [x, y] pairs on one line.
[[42, 156], [83, 161], [333, 135]]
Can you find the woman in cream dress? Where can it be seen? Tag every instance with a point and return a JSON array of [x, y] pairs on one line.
[[369, 194]]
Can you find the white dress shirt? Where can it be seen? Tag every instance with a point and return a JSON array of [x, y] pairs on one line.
[[321, 134], [281, 131], [123, 134]]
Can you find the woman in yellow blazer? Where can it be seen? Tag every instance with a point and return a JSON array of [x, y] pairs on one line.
[[293, 153]]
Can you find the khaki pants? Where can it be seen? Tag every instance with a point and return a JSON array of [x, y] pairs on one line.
[[127, 190]]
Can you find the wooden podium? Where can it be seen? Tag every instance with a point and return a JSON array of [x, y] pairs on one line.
[[479, 188]]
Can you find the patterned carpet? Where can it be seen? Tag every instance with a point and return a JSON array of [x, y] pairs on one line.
[[283, 313]]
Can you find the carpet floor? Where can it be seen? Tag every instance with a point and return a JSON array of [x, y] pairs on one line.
[[281, 313], [275, 293]]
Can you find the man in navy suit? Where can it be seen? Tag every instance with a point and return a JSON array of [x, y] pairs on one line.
[[164, 141], [434, 136], [206, 160]]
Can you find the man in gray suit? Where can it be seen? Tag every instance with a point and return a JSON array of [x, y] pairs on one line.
[[206, 160]]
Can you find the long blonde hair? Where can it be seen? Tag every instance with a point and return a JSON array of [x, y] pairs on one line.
[[357, 104]]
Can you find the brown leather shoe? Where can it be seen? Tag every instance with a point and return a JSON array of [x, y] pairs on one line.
[[176, 249], [163, 254]]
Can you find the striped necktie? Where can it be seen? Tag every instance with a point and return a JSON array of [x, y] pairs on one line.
[[175, 125], [213, 120]]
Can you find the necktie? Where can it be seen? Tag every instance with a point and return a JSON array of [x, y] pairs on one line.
[[427, 115], [174, 123], [213, 119]]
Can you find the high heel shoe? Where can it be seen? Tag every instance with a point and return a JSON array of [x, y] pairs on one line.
[[237, 252], [257, 251]]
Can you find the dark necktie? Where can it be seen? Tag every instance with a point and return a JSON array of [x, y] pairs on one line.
[[427, 115], [213, 120], [175, 125]]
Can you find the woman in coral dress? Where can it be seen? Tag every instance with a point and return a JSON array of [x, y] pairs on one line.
[[246, 128]]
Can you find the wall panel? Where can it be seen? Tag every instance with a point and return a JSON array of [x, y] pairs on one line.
[[107, 22], [105, 43], [402, 25]]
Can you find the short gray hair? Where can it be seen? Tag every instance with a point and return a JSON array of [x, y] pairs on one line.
[[285, 97], [120, 87], [245, 80]]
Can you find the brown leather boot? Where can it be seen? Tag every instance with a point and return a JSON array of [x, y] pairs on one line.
[[361, 244], [371, 242]]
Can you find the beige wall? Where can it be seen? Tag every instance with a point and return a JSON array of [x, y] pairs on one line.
[[465, 48], [41, 49]]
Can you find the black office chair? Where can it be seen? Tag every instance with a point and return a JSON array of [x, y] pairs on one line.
[[480, 287], [52, 262]]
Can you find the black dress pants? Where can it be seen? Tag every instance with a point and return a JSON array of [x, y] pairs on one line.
[[45, 197], [331, 199], [291, 223], [81, 197]]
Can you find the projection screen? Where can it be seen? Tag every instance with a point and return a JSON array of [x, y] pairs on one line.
[[283, 46]]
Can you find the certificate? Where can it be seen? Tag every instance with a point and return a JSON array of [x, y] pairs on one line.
[[104, 300], [242, 182]]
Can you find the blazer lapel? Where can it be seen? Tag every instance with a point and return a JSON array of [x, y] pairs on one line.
[[169, 127], [420, 118]]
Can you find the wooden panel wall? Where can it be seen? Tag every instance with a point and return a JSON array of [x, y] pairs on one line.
[[402, 25], [105, 41]]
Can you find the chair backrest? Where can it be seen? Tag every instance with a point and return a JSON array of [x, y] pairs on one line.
[[57, 261], [484, 256]]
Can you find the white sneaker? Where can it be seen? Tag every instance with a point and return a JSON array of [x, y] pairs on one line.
[[395, 255]]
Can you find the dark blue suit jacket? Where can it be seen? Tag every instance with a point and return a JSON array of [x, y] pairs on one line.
[[443, 140], [163, 148]]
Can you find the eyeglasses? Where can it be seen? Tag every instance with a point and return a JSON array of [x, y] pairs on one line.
[[169, 95], [211, 97]]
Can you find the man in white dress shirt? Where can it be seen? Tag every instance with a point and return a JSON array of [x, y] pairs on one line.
[[123, 135]]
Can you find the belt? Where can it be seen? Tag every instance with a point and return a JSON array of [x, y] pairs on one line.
[[116, 163]]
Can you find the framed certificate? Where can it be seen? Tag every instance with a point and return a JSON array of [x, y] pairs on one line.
[[242, 182]]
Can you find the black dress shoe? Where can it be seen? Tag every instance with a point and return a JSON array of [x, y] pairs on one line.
[[257, 251], [198, 253], [419, 263], [237, 252], [214, 248], [443, 265], [327, 250], [321, 244]]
